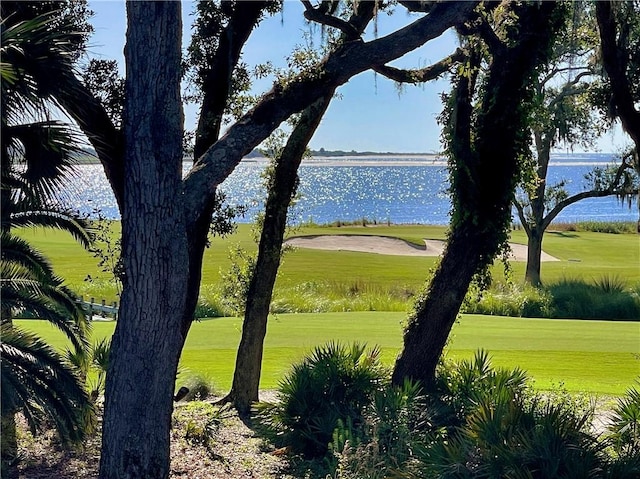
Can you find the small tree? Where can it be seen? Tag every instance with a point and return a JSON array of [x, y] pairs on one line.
[[563, 111]]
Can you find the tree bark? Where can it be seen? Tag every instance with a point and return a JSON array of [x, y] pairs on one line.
[[246, 376], [164, 229], [147, 341], [534, 253], [615, 59], [484, 179]]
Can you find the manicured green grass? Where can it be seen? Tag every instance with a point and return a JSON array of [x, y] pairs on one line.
[[591, 356], [584, 255]]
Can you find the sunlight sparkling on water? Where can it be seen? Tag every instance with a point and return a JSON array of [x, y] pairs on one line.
[[351, 190]]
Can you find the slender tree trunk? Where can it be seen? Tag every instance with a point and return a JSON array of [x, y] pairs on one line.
[[141, 377], [534, 252], [246, 377], [484, 149], [536, 229]]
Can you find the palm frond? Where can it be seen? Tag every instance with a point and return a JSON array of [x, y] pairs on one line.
[[79, 228], [17, 251], [45, 152], [51, 301], [31, 48], [36, 381]]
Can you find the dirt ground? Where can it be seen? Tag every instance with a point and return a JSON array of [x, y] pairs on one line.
[[234, 451]]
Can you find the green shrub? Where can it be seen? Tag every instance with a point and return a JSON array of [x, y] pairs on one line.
[[236, 280], [508, 436], [624, 429], [606, 298], [477, 422], [334, 296], [385, 441], [460, 386], [527, 302], [334, 383], [498, 428], [614, 227]]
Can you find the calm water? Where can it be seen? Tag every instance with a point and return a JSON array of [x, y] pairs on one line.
[[401, 190]]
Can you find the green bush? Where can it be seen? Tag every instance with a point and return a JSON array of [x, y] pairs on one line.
[[606, 298], [461, 386], [624, 428], [334, 296], [477, 422], [527, 302], [334, 383], [613, 227], [510, 436], [236, 280], [385, 442], [496, 427]]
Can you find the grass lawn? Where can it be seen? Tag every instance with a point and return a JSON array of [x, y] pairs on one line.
[[592, 356], [583, 255]]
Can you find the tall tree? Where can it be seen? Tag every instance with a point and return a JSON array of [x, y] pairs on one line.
[[166, 219], [564, 113], [155, 249], [619, 26], [282, 186], [486, 139], [281, 191]]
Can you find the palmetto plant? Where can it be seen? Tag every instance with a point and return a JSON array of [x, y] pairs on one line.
[[625, 422], [37, 381], [332, 384], [37, 155], [30, 286]]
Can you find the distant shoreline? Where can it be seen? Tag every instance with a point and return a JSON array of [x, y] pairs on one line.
[[382, 159]]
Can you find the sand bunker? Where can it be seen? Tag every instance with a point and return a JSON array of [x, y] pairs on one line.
[[390, 246]]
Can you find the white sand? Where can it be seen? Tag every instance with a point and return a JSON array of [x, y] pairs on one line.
[[390, 246]]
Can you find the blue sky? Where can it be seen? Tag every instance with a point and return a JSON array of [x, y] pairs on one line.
[[370, 113]]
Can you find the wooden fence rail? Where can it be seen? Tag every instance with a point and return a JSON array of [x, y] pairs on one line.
[[101, 308]]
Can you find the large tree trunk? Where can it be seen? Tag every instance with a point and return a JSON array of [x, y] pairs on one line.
[[429, 327], [246, 377], [141, 376], [484, 152]]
